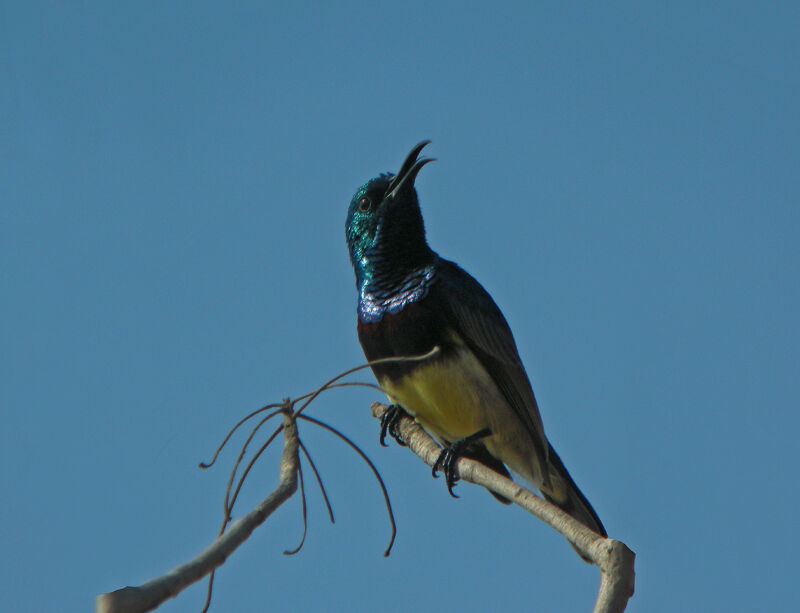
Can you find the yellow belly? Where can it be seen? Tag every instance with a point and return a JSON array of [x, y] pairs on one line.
[[450, 398], [456, 397]]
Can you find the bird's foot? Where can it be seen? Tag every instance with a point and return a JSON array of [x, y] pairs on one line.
[[448, 458], [389, 419]]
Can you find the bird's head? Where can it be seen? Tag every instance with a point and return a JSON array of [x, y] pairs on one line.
[[384, 223]]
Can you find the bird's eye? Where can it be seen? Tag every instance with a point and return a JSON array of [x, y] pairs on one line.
[[364, 204]]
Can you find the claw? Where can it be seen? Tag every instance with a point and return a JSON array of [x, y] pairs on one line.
[[447, 460], [389, 420], [449, 456]]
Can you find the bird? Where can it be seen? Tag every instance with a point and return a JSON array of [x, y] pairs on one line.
[[471, 392]]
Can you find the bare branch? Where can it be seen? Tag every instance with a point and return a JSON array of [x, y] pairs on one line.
[[612, 557], [151, 594]]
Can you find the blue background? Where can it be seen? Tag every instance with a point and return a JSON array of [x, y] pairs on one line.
[[174, 179]]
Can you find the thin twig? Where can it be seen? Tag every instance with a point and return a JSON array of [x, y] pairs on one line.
[[276, 405], [319, 481], [236, 427], [209, 591], [249, 467], [374, 471], [291, 552], [370, 364], [227, 504], [312, 395]]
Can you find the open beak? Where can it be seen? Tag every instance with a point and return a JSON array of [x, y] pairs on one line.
[[408, 171]]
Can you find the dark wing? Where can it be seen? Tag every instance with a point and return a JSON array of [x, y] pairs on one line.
[[484, 329]]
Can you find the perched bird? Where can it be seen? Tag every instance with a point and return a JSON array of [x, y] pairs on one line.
[[473, 393]]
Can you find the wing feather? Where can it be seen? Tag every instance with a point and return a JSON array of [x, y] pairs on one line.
[[485, 331]]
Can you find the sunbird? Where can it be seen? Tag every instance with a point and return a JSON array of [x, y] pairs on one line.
[[472, 393]]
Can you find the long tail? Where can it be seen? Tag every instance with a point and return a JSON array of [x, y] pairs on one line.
[[565, 495]]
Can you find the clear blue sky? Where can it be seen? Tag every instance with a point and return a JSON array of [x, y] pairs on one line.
[[174, 179]]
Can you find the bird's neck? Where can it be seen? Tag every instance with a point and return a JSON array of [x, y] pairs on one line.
[[386, 283]]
